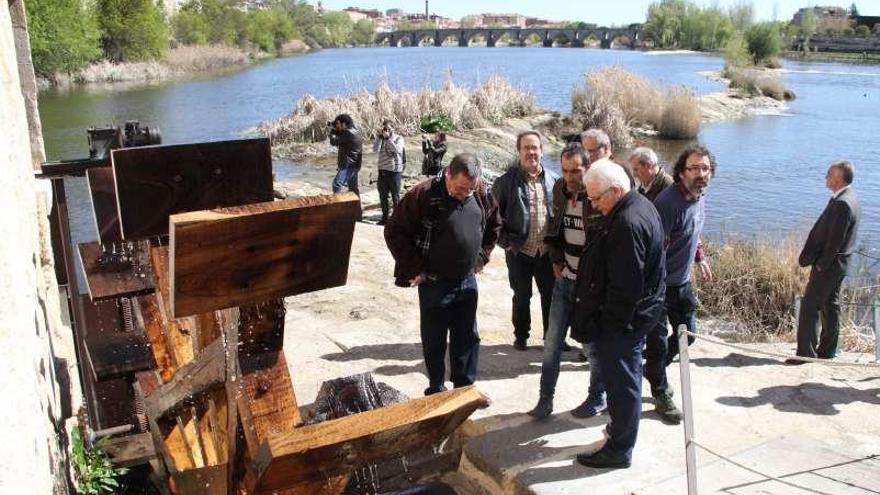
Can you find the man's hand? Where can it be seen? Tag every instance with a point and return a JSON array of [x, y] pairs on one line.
[[705, 271], [418, 280], [557, 270]]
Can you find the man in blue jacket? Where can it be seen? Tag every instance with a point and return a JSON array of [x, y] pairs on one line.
[[524, 195]]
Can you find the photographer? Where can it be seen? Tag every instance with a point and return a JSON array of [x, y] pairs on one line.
[[391, 152], [434, 151], [347, 138]]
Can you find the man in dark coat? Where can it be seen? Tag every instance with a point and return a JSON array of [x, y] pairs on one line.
[[827, 251], [619, 297], [441, 235], [346, 137]]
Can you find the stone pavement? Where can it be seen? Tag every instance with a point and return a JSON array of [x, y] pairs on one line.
[[816, 426]]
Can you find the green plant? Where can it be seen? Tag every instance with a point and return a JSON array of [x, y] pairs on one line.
[[764, 41], [434, 122], [95, 473], [64, 36]]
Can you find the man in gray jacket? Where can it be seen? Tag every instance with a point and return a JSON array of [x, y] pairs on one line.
[[524, 196], [827, 251], [390, 149]]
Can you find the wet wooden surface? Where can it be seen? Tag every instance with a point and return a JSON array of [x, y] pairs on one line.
[[105, 282]]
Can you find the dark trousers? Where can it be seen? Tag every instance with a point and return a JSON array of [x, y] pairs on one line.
[[620, 359], [679, 308], [449, 307], [821, 298], [347, 177], [521, 269], [389, 183]]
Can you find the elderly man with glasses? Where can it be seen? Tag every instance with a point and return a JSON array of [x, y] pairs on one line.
[[619, 297]]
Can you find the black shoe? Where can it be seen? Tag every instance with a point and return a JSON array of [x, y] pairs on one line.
[[794, 362], [667, 409], [603, 459], [520, 344], [543, 410]]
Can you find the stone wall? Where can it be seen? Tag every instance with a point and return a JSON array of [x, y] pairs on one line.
[[32, 439], [841, 44]]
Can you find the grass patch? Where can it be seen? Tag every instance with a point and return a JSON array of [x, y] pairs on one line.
[[204, 58], [751, 82], [492, 102]]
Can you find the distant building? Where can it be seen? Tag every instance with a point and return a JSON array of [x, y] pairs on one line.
[[867, 20], [394, 13], [363, 13], [506, 20], [827, 13]]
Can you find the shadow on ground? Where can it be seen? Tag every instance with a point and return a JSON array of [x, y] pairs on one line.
[[497, 362], [811, 398], [734, 360]]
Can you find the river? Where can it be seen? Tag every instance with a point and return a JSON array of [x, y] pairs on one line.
[[771, 169]]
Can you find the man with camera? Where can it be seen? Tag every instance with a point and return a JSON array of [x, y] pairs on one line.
[[391, 152], [345, 136]]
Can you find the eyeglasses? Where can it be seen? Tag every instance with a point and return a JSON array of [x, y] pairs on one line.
[[599, 197], [702, 169]]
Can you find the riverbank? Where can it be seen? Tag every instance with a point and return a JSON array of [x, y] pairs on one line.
[[180, 62], [845, 57]]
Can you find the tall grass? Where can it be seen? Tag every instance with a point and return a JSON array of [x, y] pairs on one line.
[[753, 83], [755, 284], [616, 100], [492, 102], [204, 58], [178, 61]]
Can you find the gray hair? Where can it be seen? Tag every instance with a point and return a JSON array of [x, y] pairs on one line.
[[847, 170], [599, 136], [465, 163], [645, 156], [607, 174]]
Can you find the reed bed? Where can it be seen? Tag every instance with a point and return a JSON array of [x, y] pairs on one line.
[[490, 103]]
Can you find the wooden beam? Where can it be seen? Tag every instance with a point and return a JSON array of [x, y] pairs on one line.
[[153, 182], [268, 405], [109, 280], [179, 332], [208, 480], [118, 354], [207, 371], [130, 450], [311, 453], [261, 326], [103, 194], [147, 317], [236, 256]]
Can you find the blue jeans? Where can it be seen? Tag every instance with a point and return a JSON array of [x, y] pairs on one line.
[[561, 308], [449, 307], [347, 176]]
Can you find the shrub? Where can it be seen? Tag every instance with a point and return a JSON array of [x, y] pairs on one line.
[[434, 122], [755, 82], [95, 474], [754, 283], [736, 52], [764, 41], [681, 115], [862, 30]]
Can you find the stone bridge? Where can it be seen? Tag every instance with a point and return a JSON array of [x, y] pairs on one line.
[[516, 36]]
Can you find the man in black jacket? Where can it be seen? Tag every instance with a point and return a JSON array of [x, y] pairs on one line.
[[524, 194], [441, 235], [827, 251], [619, 296], [345, 136]]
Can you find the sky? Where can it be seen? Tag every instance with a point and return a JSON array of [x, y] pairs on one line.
[[602, 12]]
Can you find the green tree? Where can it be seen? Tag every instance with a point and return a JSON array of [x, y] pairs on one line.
[[214, 21], [63, 34], [363, 32], [131, 29], [808, 28], [736, 52], [338, 26], [853, 10], [742, 15], [764, 41], [190, 27], [268, 29]]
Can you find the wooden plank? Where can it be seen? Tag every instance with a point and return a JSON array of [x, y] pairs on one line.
[[103, 194], [268, 405], [118, 354], [153, 182], [111, 280], [261, 326], [146, 382], [228, 320], [130, 450], [177, 331], [310, 453], [209, 480], [236, 256], [207, 371], [147, 317]]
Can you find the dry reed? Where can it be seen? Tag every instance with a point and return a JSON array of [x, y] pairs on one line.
[[493, 101], [756, 82], [203, 58], [680, 118]]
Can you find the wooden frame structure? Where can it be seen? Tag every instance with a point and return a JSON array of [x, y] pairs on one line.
[[214, 389]]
